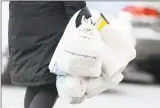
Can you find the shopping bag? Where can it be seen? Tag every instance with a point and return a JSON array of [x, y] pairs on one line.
[[118, 50], [115, 52], [79, 52]]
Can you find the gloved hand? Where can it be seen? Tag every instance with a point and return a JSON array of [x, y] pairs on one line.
[[84, 12]]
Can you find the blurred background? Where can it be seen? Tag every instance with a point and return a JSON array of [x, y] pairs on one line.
[[141, 85]]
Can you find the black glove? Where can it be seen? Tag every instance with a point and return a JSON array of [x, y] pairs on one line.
[[84, 12]]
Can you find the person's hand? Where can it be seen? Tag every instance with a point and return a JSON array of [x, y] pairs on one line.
[[84, 12]]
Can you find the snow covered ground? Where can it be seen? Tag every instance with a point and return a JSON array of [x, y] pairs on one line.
[[124, 96]]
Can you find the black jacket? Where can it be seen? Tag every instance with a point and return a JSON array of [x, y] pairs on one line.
[[35, 29]]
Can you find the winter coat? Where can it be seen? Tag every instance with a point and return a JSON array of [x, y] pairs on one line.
[[35, 28]]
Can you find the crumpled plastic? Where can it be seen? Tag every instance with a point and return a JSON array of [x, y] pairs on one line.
[[102, 83], [72, 89]]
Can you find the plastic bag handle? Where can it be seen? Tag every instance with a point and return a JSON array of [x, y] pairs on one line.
[[84, 12], [78, 16]]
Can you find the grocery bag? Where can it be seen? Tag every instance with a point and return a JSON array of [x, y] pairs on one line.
[[79, 52], [79, 75], [118, 50]]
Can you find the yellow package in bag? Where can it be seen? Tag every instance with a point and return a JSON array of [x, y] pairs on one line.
[[101, 22]]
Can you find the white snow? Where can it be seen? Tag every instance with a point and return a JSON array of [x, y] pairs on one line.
[[124, 96]]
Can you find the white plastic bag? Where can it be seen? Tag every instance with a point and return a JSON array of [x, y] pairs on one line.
[[115, 52], [118, 50], [119, 42], [72, 88], [79, 52]]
